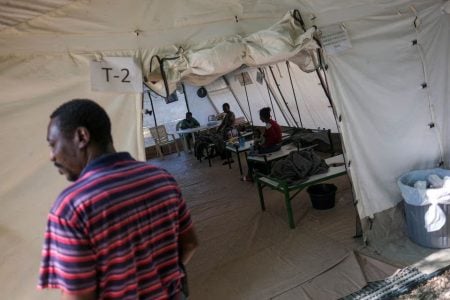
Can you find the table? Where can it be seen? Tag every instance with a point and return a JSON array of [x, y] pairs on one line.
[[183, 132], [337, 168], [237, 148]]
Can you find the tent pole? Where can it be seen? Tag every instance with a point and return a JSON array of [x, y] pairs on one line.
[[323, 84], [154, 114], [142, 109], [358, 229], [185, 97], [293, 92], [282, 97], [270, 97], [298, 17], [212, 103], [270, 88], [235, 98], [248, 101]]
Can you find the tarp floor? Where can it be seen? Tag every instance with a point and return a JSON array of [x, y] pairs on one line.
[[246, 253]]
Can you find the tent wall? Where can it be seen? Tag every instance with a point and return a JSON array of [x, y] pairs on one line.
[[314, 107], [32, 87], [46, 46], [385, 111]]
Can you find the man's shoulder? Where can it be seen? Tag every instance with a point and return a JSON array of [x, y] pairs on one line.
[[97, 183]]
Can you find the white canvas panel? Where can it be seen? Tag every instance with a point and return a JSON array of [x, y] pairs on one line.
[[385, 112], [32, 87]]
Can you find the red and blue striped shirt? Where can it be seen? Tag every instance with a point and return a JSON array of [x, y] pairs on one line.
[[115, 230]]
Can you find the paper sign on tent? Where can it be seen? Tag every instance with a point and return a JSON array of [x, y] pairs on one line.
[[116, 74]]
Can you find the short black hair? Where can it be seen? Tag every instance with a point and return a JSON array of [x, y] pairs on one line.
[[84, 113], [225, 104], [265, 113], [188, 114]]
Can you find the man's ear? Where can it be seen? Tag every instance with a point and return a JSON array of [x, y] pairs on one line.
[[82, 137]]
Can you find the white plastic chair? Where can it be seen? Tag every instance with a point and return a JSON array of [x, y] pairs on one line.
[[162, 138]]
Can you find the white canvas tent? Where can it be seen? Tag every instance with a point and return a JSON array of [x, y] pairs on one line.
[[314, 110], [390, 89]]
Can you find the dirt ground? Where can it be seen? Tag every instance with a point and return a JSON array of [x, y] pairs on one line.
[[436, 288]]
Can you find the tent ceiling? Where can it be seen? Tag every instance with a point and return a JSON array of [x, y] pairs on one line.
[[101, 25], [13, 13]]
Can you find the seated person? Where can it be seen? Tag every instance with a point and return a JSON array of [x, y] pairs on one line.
[[272, 133], [227, 121], [189, 122], [224, 128], [269, 141]]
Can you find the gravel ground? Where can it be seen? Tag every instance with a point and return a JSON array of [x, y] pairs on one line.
[[436, 288]]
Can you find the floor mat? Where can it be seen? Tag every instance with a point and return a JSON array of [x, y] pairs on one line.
[[399, 283]]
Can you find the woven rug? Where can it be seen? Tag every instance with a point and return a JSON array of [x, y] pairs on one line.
[[395, 285]]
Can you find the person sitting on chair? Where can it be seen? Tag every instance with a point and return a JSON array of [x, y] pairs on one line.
[[227, 121], [224, 129], [270, 141], [189, 122], [272, 133]]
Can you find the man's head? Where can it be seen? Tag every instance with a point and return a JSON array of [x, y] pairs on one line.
[[264, 114], [188, 115], [226, 107], [79, 130]]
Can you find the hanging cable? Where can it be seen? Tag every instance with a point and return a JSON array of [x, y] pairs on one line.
[[282, 97], [154, 114], [150, 94], [162, 71], [293, 92], [248, 101], [268, 91], [185, 97]]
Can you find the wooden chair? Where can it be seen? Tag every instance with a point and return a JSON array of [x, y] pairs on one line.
[[162, 138]]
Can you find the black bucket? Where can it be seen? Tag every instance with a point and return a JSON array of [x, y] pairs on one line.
[[322, 195]]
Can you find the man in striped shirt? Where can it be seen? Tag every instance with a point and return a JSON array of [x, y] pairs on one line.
[[122, 229]]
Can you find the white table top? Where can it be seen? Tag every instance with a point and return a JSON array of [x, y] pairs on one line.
[[195, 129]]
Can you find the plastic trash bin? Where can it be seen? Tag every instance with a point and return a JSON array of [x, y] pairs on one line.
[[418, 229], [322, 195]]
